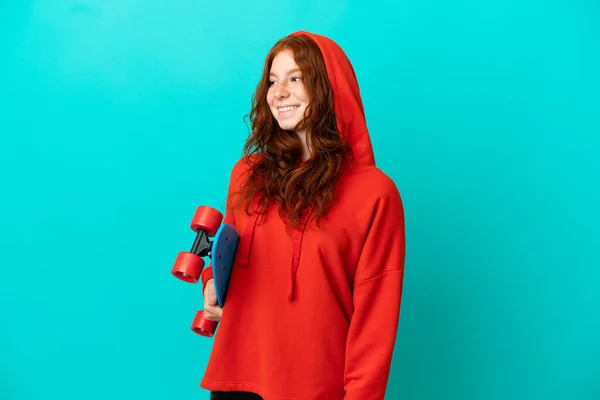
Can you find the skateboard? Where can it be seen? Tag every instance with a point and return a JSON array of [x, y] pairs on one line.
[[221, 251]]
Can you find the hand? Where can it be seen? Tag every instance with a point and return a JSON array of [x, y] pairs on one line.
[[212, 311]]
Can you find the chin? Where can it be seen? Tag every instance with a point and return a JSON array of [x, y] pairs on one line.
[[287, 126]]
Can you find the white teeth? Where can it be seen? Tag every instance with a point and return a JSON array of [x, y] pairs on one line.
[[287, 108]]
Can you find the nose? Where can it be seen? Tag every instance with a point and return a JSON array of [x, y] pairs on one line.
[[281, 91]]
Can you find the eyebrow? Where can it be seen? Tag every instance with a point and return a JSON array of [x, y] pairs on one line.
[[289, 72]]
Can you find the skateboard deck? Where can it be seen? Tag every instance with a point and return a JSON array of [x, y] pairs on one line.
[[222, 255]]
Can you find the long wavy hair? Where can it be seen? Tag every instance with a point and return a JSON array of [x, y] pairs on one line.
[[302, 191]]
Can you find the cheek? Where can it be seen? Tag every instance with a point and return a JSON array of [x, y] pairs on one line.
[[303, 95]]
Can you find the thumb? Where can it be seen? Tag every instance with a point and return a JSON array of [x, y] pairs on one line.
[[212, 298], [211, 294]]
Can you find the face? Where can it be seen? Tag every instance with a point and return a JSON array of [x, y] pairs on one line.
[[287, 97]]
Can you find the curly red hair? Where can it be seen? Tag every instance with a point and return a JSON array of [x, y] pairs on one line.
[[276, 175]]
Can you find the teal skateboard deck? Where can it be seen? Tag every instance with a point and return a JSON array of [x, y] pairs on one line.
[[222, 255]]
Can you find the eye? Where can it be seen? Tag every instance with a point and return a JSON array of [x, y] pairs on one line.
[[271, 83], [296, 79]]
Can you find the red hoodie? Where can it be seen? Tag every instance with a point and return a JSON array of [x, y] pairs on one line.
[[313, 315]]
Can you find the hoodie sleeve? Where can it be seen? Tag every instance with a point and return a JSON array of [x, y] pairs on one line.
[[377, 294], [229, 219]]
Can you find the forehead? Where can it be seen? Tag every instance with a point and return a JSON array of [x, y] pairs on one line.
[[284, 63]]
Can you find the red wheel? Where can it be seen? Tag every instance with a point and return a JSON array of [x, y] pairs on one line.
[[187, 267], [208, 219], [202, 326]]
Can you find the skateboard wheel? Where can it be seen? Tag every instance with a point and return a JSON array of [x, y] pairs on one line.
[[202, 326], [208, 219], [187, 267]]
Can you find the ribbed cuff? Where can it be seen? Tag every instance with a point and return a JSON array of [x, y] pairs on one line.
[[207, 274]]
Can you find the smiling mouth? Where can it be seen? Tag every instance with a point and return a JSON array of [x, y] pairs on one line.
[[287, 108]]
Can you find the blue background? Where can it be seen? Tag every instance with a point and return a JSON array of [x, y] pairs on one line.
[[118, 118]]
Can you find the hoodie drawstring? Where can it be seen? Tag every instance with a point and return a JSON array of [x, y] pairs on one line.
[[245, 246], [297, 236]]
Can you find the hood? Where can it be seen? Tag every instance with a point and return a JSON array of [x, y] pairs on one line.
[[351, 122], [348, 104]]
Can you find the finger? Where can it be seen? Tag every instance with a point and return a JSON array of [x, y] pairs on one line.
[[213, 313], [215, 310], [211, 317], [210, 307]]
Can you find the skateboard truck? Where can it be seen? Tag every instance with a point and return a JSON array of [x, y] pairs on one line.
[[189, 265]]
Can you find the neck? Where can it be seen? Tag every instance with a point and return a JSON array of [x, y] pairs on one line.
[[302, 135]]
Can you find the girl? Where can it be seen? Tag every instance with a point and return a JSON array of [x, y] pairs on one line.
[[314, 297]]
